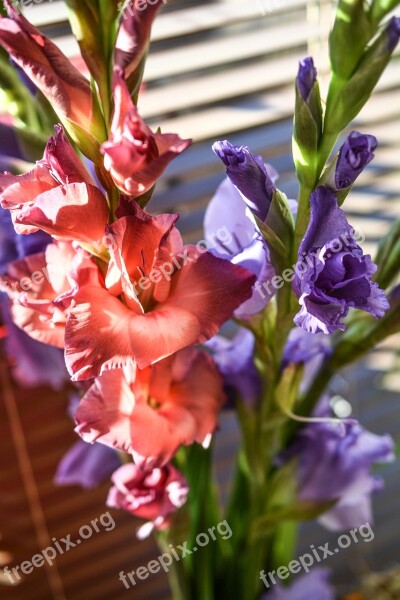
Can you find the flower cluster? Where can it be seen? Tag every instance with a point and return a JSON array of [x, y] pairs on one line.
[[109, 295], [91, 279]]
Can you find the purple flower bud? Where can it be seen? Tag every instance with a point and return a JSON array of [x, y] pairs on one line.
[[393, 31], [247, 171], [356, 152], [306, 77]]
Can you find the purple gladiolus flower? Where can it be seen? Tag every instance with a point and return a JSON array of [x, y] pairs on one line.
[[234, 359], [356, 152], [307, 349], [332, 273], [247, 171], [335, 461], [87, 465], [243, 245], [393, 31], [306, 77], [312, 586]]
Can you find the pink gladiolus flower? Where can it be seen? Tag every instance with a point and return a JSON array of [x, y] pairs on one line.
[[156, 298], [57, 196], [49, 69], [152, 495], [134, 155], [134, 34], [33, 284], [151, 413]]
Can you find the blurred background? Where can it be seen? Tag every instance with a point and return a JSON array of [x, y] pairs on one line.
[[218, 69]]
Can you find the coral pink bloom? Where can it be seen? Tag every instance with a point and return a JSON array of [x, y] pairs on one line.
[[57, 196], [134, 155], [49, 69], [157, 297], [157, 410], [152, 495], [33, 284], [134, 35]]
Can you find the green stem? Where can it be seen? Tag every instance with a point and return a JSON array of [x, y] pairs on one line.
[[302, 219]]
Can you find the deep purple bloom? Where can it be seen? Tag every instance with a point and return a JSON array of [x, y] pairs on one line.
[[332, 273], [306, 77], [356, 152], [335, 461], [311, 586], [234, 359], [232, 234], [87, 465], [247, 171], [393, 31]]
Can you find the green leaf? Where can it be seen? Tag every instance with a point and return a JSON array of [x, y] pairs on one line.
[[381, 8], [288, 387], [351, 33], [388, 257], [278, 231], [346, 102], [85, 141]]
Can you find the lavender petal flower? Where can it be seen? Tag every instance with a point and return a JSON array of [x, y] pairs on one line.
[[87, 465], [314, 585], [234, 359], [335, 461], [242, 243], [332, 273]]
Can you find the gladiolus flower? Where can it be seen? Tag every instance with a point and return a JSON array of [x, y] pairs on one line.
[[332, 273], [134, 155], [33, 284], [246, 246], [248, 173], [307, 76], [151, 413], [335, 463], [134, 35], [49, 69], [58, 196], [86, 465], [152, 495], [156, 298]]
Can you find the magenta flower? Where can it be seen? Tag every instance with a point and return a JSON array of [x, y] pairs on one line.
[[134, 155], [152, 412], [153, 495]]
